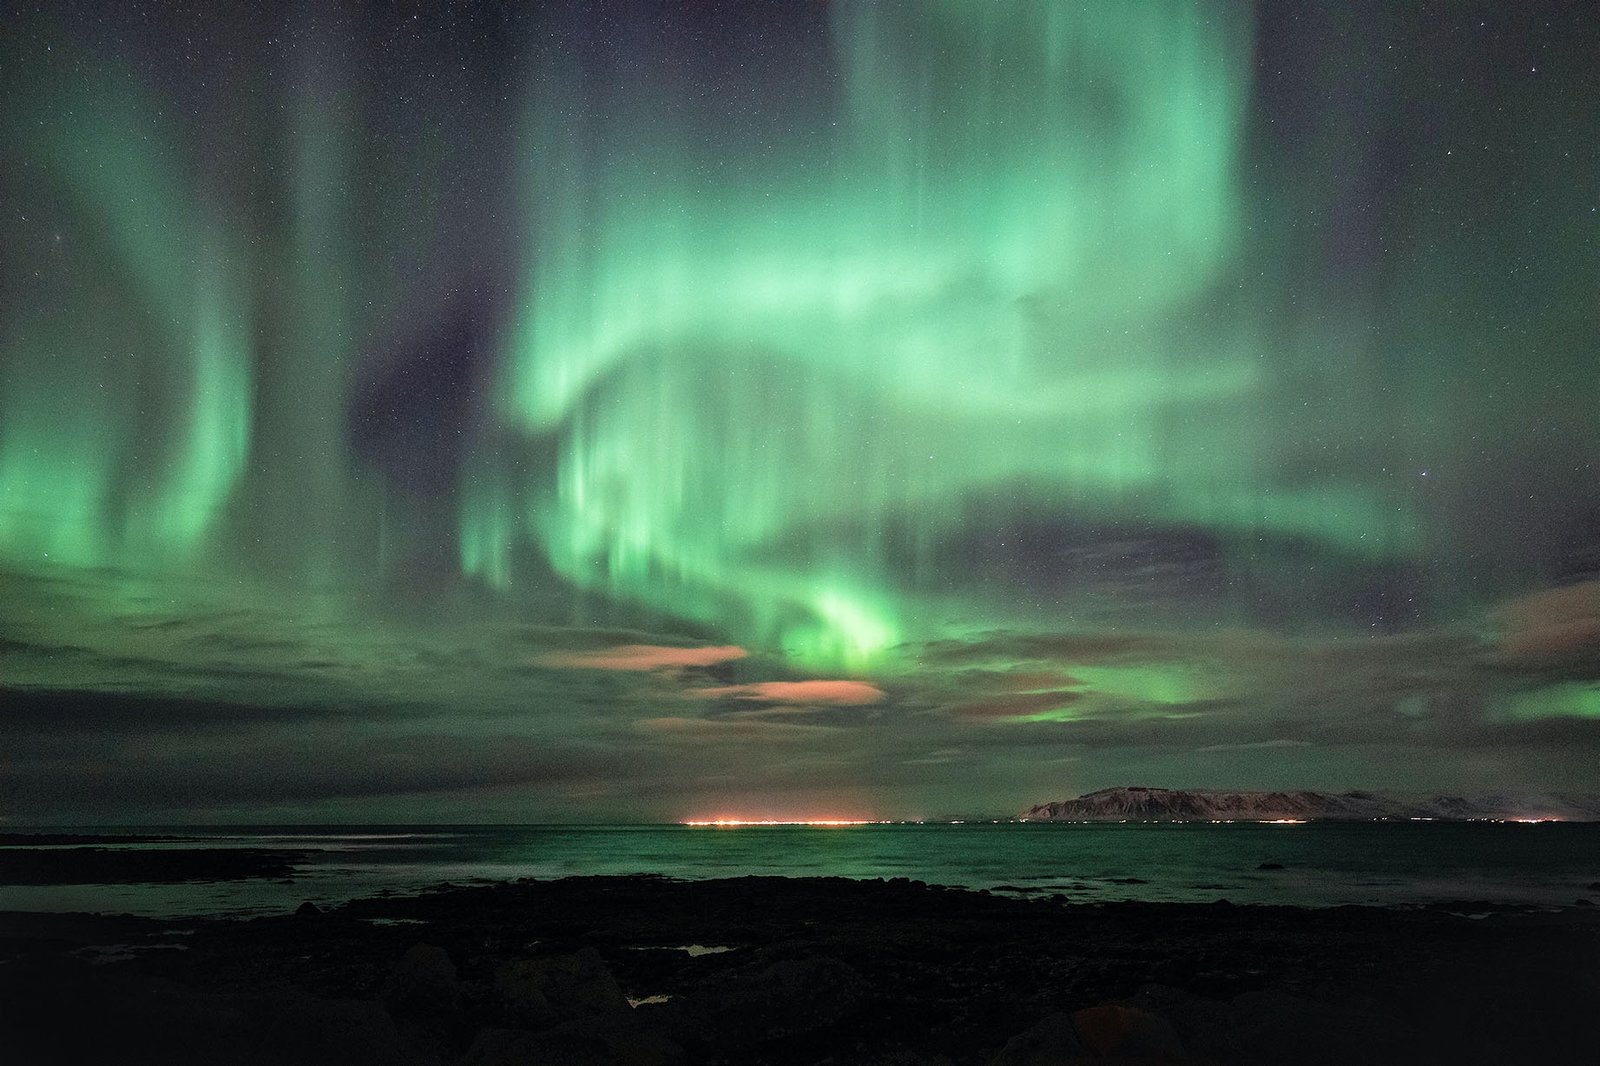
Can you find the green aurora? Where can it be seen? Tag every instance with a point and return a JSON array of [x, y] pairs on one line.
[[1004, 279], [1102, 385]]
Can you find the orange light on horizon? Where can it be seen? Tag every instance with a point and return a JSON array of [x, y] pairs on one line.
[[732, 823]]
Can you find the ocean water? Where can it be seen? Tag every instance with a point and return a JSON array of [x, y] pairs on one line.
[[1323, 864]]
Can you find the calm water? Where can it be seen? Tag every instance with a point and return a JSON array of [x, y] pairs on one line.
[[1323, 863]]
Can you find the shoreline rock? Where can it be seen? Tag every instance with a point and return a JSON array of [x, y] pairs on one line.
[[822, 970]]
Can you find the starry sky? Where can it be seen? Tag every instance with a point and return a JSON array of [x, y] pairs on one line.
[[647, 411]]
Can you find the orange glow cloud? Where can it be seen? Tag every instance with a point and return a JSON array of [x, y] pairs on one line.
[[1552, 644], [1552, 627], [833, 693], [642, 657]]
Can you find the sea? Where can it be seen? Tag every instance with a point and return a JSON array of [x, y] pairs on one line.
[[1469, 866]]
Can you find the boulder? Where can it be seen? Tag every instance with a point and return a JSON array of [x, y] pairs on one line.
[[1276, 1027], [79, 1016], [519, 997], [788, 998], [295, 1027], [596, 1041], [1052, 1042], [1204, 1025], [535, 993], [1123, 1032], [424, 981]]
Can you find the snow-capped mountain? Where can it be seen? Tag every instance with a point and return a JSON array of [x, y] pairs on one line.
[[1137, 803]]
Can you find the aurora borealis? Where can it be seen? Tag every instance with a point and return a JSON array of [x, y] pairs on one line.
[[639, 410]]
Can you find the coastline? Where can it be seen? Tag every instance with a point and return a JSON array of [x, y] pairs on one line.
[[198, 871], [816, 970]]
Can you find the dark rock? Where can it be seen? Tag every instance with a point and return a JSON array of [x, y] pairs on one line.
[[589, 1042], [1204, 1025], [308, 910], [507, 1047], [1054, 1040], [423, 982], [1270, 866], [1126, 1033], [519, 995], [294, 1027], [539, 992], [874, 974], [1583, 903], [1276, 1027], [1593, 886], [423, 995], [786, 999], [72, 1016], [903, 1056]]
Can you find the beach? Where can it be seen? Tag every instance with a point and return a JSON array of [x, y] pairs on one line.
[[654, 970]]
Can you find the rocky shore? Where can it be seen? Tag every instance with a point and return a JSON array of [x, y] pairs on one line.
[[648, 971]]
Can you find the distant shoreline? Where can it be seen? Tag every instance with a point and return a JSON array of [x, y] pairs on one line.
[[1145, 803]]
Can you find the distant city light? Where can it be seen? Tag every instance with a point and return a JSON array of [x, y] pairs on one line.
[[736, 822]]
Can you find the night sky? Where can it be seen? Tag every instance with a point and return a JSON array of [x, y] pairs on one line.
[[590, 411]]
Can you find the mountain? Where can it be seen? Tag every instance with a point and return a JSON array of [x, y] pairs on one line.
[[1137, 803]]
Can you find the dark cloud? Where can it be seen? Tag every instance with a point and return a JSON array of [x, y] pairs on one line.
[[1000, 646], [75, 714], [738, 729], [246, 644], [1015, 705], [1571, 736], [314, 765], [1256, 745], [12, 646]]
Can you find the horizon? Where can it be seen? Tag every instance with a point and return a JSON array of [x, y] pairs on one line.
[[839, 821], [617, 413]]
